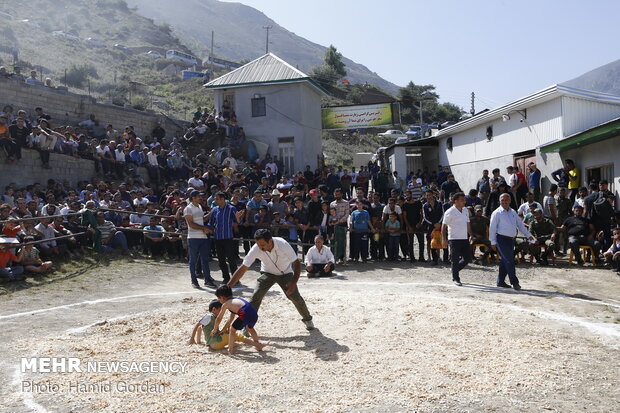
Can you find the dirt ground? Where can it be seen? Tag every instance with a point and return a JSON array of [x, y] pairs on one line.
[[389, 337]]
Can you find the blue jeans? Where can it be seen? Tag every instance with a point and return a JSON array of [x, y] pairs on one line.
[[12, 273], [118, 242], [359, 245], [506, 248], [199, 248], [392, 249]]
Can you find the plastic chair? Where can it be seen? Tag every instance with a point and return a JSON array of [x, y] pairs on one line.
[[583, 249]]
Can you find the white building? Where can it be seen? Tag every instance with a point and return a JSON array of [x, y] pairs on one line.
[[278, 105], [514, 134]]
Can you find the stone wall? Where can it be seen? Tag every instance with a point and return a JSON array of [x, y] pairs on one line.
[[67, 108], [28, 170], [62, 167]]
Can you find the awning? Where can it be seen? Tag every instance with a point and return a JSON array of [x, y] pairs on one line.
[[596, 134]]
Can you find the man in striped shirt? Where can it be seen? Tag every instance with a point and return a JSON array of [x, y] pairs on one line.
[[223, 221]]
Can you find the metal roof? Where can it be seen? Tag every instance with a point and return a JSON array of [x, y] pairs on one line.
[[539, 97], [267, 69]]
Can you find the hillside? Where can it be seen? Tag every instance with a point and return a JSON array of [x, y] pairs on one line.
[[605, 79], [239, 35], [108, 73]]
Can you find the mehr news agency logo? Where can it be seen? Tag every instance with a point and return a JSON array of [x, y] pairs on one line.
[[75, 365]]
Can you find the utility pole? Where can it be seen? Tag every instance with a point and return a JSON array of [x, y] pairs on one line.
[[211, 55], [267, 28], [473, 108]]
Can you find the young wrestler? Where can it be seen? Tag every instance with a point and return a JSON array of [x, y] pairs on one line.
[[219, 341], [246, 317]]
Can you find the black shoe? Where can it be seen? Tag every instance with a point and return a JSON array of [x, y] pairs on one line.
[[195, 285], [210, 284], [516, 287], [580, 263], [458, 283], [434, 263], [226, 280], [503, 285]]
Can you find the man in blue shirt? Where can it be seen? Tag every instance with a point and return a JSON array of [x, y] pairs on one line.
[[534, 181], [154, 238], [223, 221], [360, 221], [504, 225]]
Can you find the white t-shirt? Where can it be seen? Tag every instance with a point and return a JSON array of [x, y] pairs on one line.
[[387, 210], [525, 208], [198, 217], [456, 221], [277, 261], [206, 319], [195, 182], [273, 167], [512, 180]]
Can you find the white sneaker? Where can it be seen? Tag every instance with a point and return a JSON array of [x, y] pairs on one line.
[[309, 325]]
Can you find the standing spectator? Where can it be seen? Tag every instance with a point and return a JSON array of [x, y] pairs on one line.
[[198, 243], [432, 214], [392, 226], [342, 216], [223, 221], [496, 179], [32, 79], [549, 205], [360, 226], [574, 178], [455, 230], [521, 185], [19, 133], [504, 226], [483, 186], [449, 187], [534, 181], [414, 220]]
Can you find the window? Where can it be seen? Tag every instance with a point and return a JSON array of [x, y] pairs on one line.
[[258, 107], [490, 132], [598, 173], [286, 153], [449, 143]]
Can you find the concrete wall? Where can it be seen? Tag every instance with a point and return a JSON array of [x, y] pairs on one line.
[[293, 110], [69, 109], [29, 170]]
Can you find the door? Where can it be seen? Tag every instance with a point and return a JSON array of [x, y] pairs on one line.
[[598, 173], [286, 153]]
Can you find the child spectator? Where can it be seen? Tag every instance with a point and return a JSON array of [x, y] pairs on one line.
[[12, 273], [392, 225], [436, 243], [612, 255], [292, 230], [31, 261]]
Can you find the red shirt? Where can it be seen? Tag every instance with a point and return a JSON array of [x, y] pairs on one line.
[[5, 257], [522, 180]]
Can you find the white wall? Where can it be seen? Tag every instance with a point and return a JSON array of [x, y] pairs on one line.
[[582, 114], [293, 110]]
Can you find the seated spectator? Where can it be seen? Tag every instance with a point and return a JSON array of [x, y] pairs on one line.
[[319, 260], [154, 239], [612, 255], [111, 239], [32, 80], [47, 232], [10, 272], [31, 261], [580, 232]]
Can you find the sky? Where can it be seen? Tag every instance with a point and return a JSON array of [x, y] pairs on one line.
[[501, 50]]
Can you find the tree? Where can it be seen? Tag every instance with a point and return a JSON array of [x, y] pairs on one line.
[[412, 95], [331, 71], [333, 59]]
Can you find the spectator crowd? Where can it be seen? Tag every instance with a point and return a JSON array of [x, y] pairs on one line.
[[360, 213]]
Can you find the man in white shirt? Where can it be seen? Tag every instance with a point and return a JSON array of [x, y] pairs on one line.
[[272, 165], [513, 179], [455, 229], [279, 264], [198, 243], [232, 162], [195, 181], [525, 207], [319, 260], [504, 226]]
